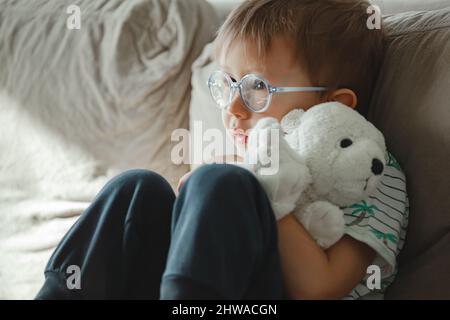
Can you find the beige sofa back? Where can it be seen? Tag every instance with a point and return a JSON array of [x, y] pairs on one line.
[[223, 7], [411, 105]]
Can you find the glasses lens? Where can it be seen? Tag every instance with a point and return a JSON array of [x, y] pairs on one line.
[[255, 92], [219, 87]]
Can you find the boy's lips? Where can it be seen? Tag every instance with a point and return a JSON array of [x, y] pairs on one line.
[[239, 135]]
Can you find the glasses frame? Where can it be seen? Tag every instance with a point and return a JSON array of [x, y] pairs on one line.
[[272, 89]]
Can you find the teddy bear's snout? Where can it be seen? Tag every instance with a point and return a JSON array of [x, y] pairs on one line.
[[377, 166]]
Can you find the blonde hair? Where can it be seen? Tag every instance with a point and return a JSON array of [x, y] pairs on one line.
[[331, 38]]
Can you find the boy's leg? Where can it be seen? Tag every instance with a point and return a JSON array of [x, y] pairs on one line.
[[120, 243], [224, 239]]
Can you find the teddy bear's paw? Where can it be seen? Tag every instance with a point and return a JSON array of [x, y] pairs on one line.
[[264, 141], [262, 135], [291, 121], [325, 222]]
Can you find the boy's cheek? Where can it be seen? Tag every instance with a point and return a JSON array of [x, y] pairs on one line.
[[246, 124]]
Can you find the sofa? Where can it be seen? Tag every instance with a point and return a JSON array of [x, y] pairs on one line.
[[78, 106]]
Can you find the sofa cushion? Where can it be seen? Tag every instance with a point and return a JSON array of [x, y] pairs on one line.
[[411, 107], [78, 106], [117, 87], [223, 7], [204, 114]]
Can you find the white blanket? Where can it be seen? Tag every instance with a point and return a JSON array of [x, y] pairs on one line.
[[79, 106]]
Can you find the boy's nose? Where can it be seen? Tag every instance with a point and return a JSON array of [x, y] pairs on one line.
[[238, 109]]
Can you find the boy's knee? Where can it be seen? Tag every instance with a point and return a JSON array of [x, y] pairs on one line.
[[142, 189], [227, 177], [147, 181]]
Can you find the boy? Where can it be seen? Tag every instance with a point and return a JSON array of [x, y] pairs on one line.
[[219, 238], [312, 44]]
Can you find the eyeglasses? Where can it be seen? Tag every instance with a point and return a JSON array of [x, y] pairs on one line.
[[255, 91]]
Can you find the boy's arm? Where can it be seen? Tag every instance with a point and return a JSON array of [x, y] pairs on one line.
[[310, 272]]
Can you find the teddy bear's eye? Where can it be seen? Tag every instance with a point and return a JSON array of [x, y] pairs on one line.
[[345, 143]]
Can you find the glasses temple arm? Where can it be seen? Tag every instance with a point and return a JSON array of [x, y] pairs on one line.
[[296, 89]]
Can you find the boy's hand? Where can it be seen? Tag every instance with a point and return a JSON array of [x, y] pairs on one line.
[[183, 180]]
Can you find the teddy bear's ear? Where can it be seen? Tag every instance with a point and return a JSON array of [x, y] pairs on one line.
[[292, 120]]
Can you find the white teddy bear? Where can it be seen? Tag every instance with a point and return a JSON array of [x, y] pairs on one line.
[[316, 162]]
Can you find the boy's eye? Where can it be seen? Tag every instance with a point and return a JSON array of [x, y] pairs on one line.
[[258, 85], [345, 143]]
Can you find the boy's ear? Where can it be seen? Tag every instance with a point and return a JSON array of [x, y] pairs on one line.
[[344, 96]]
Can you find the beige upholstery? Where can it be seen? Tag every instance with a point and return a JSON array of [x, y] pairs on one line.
[[223, 7], [79, 106], [411, 106]]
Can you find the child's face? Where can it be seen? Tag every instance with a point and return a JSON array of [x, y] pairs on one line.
[[280, 69]]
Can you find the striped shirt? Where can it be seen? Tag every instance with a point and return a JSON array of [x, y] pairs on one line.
[[380, 221]]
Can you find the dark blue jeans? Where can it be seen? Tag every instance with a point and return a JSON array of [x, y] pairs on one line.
[[216, 240]]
